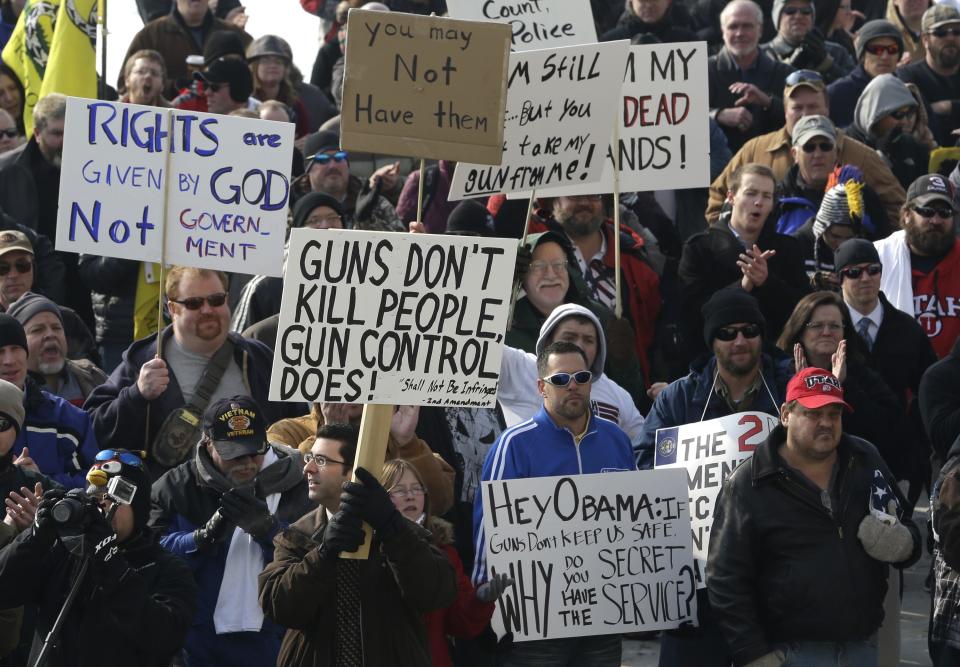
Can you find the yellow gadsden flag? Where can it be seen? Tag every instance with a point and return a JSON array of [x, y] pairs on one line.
[[53, 50]]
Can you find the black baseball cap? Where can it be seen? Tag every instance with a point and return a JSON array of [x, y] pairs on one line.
[[929, 188], [232, 71], [236, 427]]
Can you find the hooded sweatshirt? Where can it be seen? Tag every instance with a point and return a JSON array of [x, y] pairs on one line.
[[883, 95], [518, 396]]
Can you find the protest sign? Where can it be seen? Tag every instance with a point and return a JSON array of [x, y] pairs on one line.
[[226, 201], [534, 24], [590, 554], [663, 116], [709, 451], [558, 121], [411, 319], [424, 86]]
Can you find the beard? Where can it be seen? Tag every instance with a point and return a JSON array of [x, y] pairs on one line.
[[739, 368], [581, 222], [946, 56], [51, 367], [208, 332], [929, 242]]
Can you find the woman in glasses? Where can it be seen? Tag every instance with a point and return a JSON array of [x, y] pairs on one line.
[[820, 334], [471, 611]]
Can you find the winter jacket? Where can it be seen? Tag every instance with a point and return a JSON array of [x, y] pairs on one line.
[[49, 272], [184, 499], [675, 26], [138, 617], [842, 62], [60, 437], [844, 93], [940, 401], [436, 207], [767, 73], [709, 263], [693, 399], [773, 150], [781, 568], [120, 412], [87, 375], [539, 448], [403, 579], [259, 299], [113, 288], [945, 517], [936, 88]]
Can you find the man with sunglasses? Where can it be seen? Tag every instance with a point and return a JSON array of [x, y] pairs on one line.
[[801, 45], [328, 170], [220, 511], [938, 74], [879, 45], [921, 262], [227, 84], [564, 437]]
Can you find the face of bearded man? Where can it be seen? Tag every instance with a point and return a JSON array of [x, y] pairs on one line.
[[929, 237], [945, 51], [579, 216]]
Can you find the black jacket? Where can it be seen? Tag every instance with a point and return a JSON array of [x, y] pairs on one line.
[[675, 26], [49, 272], [769, 76], [137, 618], [119, 411], [940, 401], [781, 568], [113, 288]]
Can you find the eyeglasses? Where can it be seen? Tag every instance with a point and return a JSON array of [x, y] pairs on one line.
[[196, 302], [820, 326], [803, 11], [854, 272], [323, 220], [24, 266], [541, 267], [563, 379], [803, 76], [319, 460], [400, 492], [824, 146], [900, 114], [727, 334], [5, 424], [943, 32], [10, 133], [880, 49], [127, 457], [324, 158], [922, 211]]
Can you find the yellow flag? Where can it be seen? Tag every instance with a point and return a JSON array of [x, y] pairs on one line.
[[53, 50]]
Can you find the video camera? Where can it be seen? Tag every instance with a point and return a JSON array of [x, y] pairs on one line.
[[74, 512]]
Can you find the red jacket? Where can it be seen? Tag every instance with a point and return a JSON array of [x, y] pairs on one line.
[[465, 618], [936, 301]]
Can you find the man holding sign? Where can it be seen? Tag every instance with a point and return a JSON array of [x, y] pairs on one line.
[[802, 536]]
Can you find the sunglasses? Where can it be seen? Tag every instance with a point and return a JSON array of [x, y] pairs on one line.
[[196, 302], [824, 146], [21, 267], [727, 334], [943, 32], [855, 272], [6, 424], [563, 379], [213, 87], [803, 11], [803, 76], [923, 211], [880, 49], [9, 134], [129, 458], [319, 460], [900, 114], [324, 158]]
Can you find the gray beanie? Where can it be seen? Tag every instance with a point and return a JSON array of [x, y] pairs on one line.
[[778, 8], [11, 403], [874, 29], [30, 304]]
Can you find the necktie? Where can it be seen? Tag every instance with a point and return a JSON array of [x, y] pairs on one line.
[[863, 328], [349, 635]]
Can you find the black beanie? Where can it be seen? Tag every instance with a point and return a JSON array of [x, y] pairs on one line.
[[324, 140], [31, 303], [11, 332], [470, 218], [223, 43], [103, 470], [307, 203], [855, 251], [730, 305]]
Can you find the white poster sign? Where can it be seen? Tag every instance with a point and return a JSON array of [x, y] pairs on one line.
[[536, 24], [709, 451], [229, 182], [558, 121], [382, 317], [590, 554]]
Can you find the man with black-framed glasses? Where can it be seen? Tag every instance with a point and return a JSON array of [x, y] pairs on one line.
[[921, 262]]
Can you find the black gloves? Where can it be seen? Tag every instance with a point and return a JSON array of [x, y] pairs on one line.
[[249, 513], [812, 53], [216, 530], [44, 527], [344, 532], [371, 502]]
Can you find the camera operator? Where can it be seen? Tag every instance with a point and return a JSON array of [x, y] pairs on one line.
[[135, 601], [220, 511]]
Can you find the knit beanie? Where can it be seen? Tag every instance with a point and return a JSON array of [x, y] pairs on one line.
[[324, 140], [778, 9], [855, 251], [470, 218], [11, 403], [130, 466], [30, 304], [307, 203], [11, 332], [874, 29], [730, 305]]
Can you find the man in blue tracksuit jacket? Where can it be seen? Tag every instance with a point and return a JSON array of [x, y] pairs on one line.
[[563, 438]]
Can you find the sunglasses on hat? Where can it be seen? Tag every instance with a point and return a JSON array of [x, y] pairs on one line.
[[803, 76], [196, 302], [727, 334], [563, 379], [854, 272]]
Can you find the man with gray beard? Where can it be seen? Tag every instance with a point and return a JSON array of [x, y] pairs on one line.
[[921, 262]]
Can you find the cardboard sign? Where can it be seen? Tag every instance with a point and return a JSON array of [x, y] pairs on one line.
[[536, 24], [590, 554], [424, 86], [227, 197], [709, 451], [558, 124], [411, 319], [663, 115]]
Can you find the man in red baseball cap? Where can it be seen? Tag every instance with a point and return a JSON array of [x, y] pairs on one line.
[[802, 536]]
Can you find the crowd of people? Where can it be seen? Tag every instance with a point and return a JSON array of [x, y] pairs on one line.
[[177, 516]]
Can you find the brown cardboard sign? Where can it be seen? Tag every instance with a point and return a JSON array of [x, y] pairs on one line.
[[424, 86]]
